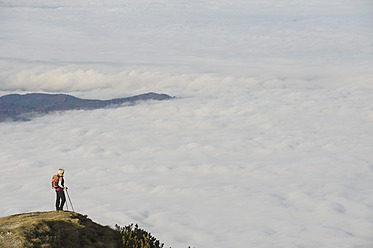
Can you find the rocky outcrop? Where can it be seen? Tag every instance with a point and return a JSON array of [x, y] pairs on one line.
[[54, 230]]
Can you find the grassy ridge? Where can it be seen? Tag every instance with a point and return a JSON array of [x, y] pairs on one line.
[[54, 230]]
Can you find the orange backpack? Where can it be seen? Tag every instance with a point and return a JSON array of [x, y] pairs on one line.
[[55, 181]]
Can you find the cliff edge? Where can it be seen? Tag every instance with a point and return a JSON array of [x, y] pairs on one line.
[[54, 230]]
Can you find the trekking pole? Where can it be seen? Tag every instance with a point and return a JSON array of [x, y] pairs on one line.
[[70, 200], [67, 206]]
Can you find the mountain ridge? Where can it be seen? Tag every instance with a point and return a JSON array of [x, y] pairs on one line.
[[54, 229], [13, 106]]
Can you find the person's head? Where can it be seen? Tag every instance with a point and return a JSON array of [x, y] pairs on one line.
[[60, 172]]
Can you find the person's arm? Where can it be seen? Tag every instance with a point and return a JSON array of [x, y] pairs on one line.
[[60, 184]]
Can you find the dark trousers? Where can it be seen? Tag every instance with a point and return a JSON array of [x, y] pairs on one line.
[[60, 199]]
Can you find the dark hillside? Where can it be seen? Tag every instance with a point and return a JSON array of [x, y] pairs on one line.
[[13, 106]]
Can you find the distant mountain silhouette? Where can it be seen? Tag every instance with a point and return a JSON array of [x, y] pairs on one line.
[[15, 106]]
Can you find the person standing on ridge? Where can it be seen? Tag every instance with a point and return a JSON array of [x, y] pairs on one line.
[[58, 183]]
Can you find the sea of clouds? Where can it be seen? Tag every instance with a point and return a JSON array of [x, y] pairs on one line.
[[268, 142]]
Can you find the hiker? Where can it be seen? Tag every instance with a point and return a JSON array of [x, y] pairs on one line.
[[59, 185]]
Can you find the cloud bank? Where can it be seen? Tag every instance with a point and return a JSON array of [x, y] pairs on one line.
[[271, 166]]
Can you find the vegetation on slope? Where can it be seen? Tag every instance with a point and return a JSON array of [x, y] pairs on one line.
[[69, 230], [54, 229], [135, 237]]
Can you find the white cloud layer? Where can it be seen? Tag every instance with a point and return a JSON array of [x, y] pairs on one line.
[[267, 145]]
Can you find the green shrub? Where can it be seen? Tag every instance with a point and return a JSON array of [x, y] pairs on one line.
[[134, 237]]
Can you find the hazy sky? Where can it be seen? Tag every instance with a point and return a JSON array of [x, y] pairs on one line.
[[66, 45]]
